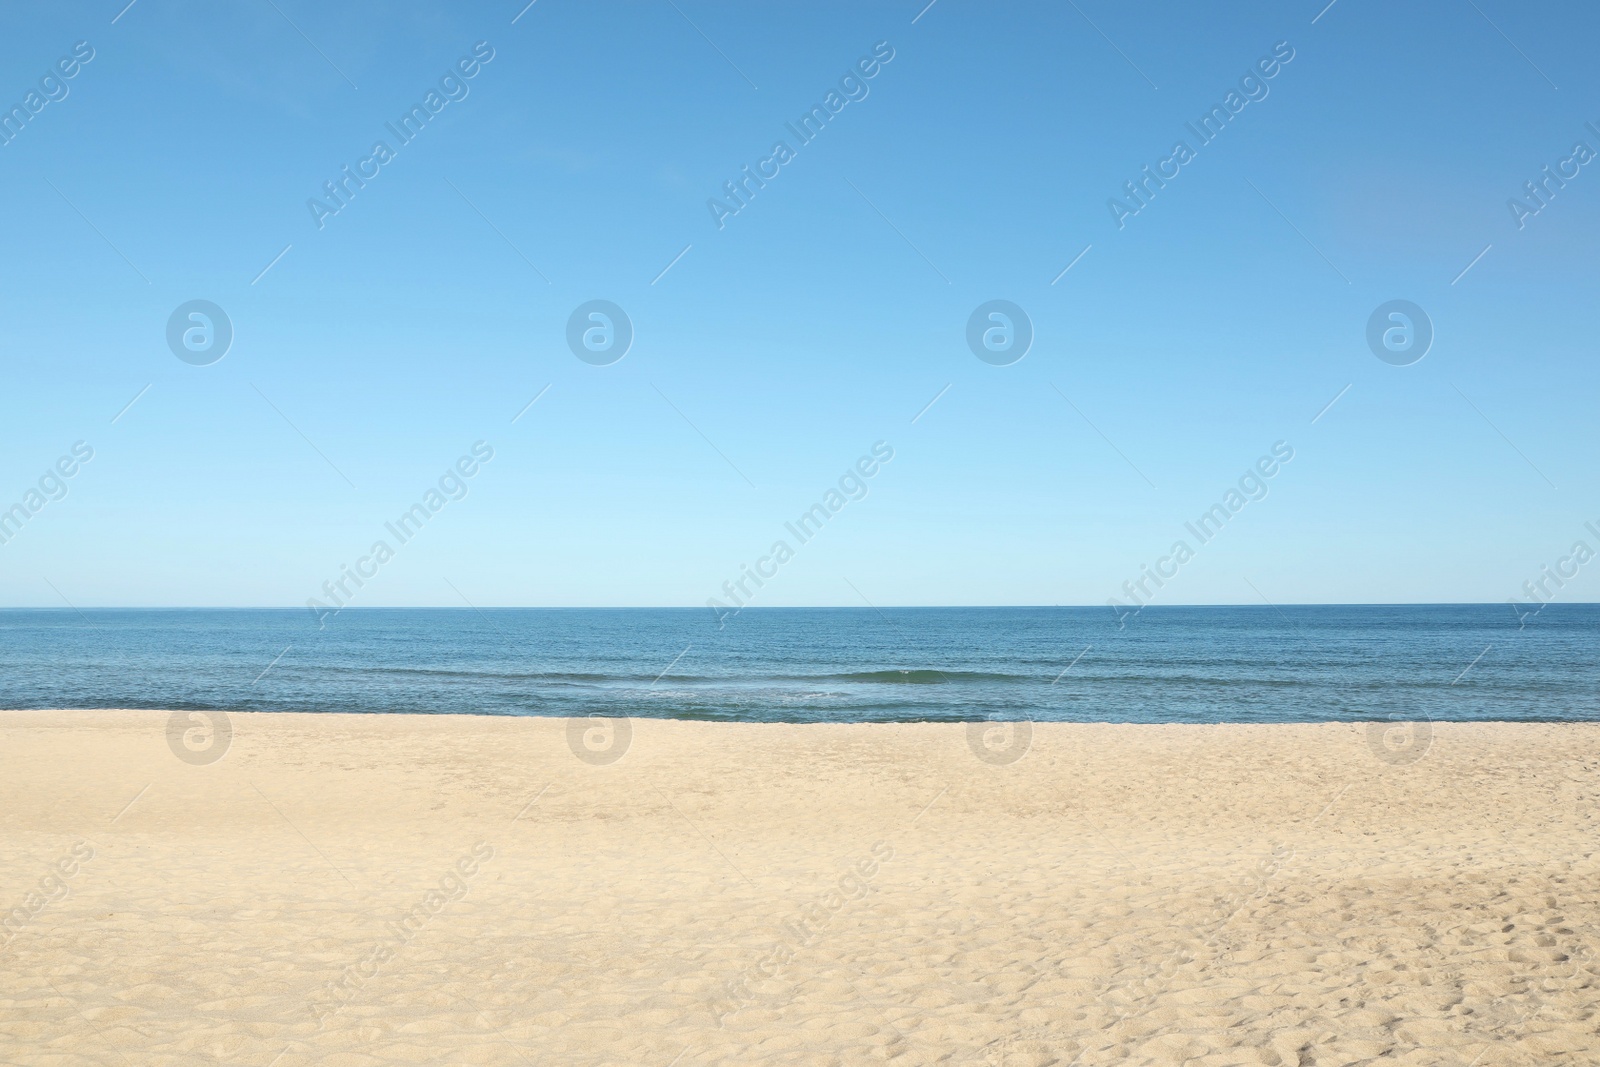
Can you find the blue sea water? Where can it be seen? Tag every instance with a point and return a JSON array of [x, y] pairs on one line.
[[1174, 664]]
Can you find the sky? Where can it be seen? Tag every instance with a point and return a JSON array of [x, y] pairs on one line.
[[971, 153]]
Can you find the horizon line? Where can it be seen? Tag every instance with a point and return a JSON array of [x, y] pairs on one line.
[[782, 607]]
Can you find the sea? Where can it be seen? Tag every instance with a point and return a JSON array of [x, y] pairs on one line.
[[1068, 664]]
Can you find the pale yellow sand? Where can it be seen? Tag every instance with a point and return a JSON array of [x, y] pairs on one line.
[[795, 894]]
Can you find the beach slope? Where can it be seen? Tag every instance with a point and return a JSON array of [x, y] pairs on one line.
[[281, 889]]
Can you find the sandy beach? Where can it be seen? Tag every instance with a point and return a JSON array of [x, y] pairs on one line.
[[374, 890]]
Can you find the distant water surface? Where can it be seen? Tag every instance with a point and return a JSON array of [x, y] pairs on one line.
[[1176, 664]]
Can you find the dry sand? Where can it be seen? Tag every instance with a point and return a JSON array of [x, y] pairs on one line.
[[370, 890]]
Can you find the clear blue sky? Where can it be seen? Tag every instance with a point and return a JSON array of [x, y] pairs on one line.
[[822, 318]]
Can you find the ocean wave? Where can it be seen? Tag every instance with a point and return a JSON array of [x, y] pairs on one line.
[[924, 676]]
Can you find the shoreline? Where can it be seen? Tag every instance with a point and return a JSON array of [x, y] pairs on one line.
[[481, 715]]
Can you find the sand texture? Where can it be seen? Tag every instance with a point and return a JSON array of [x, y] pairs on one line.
[[385, 890]]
